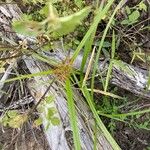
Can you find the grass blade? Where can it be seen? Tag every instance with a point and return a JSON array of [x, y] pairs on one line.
[[73, 116], [100, 124], [100, 14], [101, 44], [42, 73]]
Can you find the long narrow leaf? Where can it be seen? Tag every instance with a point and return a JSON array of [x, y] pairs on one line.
[[72, 114], [101, 44], [108, 136], [111, 62], [42, 73], [100, 14]]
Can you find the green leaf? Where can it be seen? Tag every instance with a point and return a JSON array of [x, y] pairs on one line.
[[106, 44], [49, 10], [28, 28], [44, 10], [17, 121], [128, 10], [72, 115], [49, 99], [134, 16], [124, 22], [78, 3], [106, 53], [55, 121], [50, 113], [142, 6], [38, 122], [65, 25], [12, 113]]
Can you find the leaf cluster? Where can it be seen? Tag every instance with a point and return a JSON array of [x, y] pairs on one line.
[[53, 25], [133, 14]]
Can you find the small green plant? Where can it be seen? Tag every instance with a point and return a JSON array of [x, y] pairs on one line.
[[53, 26], [133, 14], [47, 109], [13, 119], [127, 118]]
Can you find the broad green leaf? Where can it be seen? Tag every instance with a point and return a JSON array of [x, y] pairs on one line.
[[17, 121], [44, 10], [28, 28], [38, 122], [52, 14], [128, 10], [55, 121], [142, 6], [65, 25], [133, 17], [124, 22], [50, 113]]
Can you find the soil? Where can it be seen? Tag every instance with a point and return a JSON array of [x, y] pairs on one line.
[[132, 139], [129, 136], [28, 138]]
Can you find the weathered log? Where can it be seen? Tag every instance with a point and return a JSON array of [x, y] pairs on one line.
[[135, 83], [59, 137], [129, 77]]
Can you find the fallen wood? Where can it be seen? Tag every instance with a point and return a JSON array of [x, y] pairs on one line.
[[58, 137], [5, 76], [135, 83], [130, 78]]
